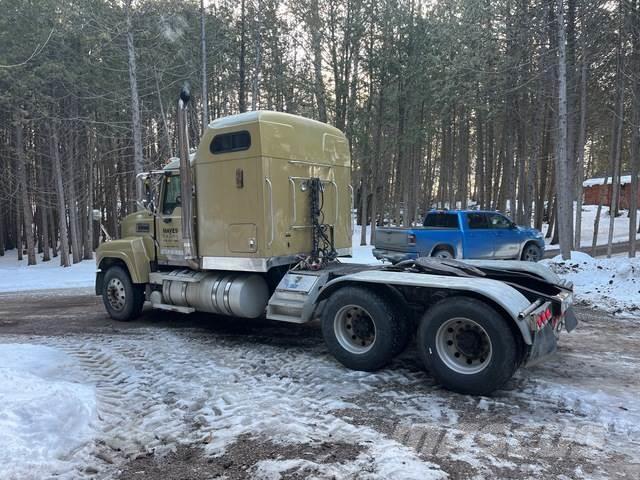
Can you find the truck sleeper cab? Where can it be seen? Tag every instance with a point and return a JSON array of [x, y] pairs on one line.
[[267, 187]]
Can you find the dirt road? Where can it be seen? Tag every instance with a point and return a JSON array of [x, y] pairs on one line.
[[202, 397]]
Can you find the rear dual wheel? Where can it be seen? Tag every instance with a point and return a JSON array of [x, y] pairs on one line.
[[468, 346], [363, 329]]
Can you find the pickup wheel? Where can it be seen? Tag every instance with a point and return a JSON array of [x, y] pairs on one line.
[[122, 298], [531, 253], [442, 252], [468, 346], [362, 329]]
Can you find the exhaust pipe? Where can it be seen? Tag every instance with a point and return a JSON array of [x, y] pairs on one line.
[[186, 182]]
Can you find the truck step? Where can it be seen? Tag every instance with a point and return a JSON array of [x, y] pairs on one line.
[[173, 308], [285, 310], [285, 318]]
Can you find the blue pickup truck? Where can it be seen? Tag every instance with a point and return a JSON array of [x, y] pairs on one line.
[[460, 234]]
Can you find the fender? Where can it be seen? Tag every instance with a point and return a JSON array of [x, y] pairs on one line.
[[132, 252], [518, 266], [507, 297]]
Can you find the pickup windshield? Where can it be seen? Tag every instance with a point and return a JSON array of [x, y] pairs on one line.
[[441, 220]]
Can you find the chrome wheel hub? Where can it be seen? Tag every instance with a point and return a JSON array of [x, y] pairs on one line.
[[354, 329], [116, 294], [463, 345]]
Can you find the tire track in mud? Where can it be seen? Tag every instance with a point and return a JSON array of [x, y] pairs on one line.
[[162, 390]]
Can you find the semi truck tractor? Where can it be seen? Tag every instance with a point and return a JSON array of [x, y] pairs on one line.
[[255, 223]]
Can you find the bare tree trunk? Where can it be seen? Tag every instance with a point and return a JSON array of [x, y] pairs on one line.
[[242, 100], [617, 137], [203, 52], [255, 87], [165, 126], [18, 224], [582, 135], [563, 194], [635, 137], [596, 220], [88, 244], [44, 211], [62, 220], [315, 30], [27, 212], [138, 159]]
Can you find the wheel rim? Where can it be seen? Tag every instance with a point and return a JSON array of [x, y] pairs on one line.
[[443, 254], [354, 329], [464, 345], [531, 254], [116, 294]]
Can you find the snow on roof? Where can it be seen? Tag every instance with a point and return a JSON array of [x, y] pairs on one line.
[[591, 182]]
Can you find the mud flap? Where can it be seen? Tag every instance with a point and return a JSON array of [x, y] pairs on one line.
[[570, 319], [99, 283], [544, 344]]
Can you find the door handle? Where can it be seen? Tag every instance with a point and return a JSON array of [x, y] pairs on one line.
[[166, 220]]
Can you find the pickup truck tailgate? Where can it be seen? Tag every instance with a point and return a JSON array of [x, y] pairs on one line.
[[393, 239]]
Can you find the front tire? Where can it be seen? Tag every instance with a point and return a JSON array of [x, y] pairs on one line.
[[468, 346], [531, 253], [122, 298], [362, 329]]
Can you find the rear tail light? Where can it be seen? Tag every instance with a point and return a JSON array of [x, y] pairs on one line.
[[541, 318], [411, 239]]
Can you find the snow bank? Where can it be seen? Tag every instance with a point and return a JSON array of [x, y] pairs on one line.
[[16, 276], [46, 417], [620, 227], [361, 253], [611, 284]]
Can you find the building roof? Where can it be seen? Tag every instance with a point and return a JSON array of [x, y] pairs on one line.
[[592, 182]]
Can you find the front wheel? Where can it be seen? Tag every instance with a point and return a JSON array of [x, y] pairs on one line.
[[122, 298], [531, 253], [362, 329], [468, 346]]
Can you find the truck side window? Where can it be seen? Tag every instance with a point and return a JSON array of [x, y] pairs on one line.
[[171, 198], [230, 142], [477, 221], [499, 222], [441, 220]]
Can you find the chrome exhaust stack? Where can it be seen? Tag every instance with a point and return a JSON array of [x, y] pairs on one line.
[[186, 182]]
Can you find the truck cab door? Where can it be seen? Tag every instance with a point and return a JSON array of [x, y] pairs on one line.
[[169, 223], [478, 237], [507, 236]]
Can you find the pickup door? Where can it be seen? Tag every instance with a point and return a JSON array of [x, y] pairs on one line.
[[507, 237], [478, 237]]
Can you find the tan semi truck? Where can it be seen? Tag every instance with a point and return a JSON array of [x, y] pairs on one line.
[[255, 223]]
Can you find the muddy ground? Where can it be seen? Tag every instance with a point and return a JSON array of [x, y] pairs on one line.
[[575, 416]]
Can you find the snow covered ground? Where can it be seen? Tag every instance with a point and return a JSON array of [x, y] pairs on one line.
[[47, 417], [111, 396], [620, 227], [610, 284], [17, 276]]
